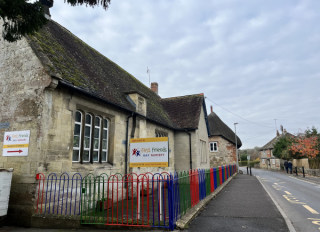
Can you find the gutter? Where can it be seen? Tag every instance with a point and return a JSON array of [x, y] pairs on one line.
[[99, 98], [127, 143]]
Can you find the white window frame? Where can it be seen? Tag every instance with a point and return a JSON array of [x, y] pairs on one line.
[[90, 137], [99, 137], [212, 148], [92, 127], [80, 136], [107, 143]]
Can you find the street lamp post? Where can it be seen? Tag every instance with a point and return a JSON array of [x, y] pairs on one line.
[[235, 134]]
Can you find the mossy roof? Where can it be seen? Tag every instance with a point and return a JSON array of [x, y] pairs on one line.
[[66, 56], [184, 111], [218, 128], [272, 142]]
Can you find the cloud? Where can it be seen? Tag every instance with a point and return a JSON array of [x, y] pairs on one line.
[[258, 60]]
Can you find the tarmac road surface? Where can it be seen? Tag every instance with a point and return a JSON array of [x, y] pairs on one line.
[[299, 198]]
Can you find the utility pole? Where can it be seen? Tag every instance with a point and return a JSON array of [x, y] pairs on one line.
[[275, 124], [235, 134]]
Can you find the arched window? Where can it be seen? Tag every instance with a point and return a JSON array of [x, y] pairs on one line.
[[93, 130]]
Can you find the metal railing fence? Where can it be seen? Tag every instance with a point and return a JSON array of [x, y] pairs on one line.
[[142, 200]]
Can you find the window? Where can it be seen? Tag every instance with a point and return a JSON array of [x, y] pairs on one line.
[[213, 146], [90, 138], [203, 153]]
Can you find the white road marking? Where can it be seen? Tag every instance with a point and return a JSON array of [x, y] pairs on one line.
[[310, 209], [288, 193]]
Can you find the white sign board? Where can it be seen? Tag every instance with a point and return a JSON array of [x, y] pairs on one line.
[[149, 152], [248, 157], [16, 143]]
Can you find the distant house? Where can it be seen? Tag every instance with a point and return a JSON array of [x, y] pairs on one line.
[[81, 110], [267, 159], [222, 141]]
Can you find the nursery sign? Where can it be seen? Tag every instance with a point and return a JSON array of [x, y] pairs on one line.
[[149, 152], [16, 143]]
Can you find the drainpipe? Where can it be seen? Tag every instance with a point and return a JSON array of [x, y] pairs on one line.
[[127, 142], [190, 152]]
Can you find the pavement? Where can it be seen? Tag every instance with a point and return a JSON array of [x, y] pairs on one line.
[[243, 205]]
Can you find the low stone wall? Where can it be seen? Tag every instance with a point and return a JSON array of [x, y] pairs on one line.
[[301, 163], [313, 172]]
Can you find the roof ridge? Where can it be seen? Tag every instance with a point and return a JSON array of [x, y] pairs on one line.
[[184, 96]]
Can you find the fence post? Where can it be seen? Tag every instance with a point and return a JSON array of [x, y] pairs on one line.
[[303, 172], [171, 202]]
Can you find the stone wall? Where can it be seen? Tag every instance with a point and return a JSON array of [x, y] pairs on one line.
[[22, 103], [301, 163], [226, 153], [201, 140], [182, 147], [30, 99]]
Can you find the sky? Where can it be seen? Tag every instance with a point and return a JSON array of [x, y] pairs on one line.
[[256, 61]]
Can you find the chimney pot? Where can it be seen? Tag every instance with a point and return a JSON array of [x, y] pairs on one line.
[[211, 109], [154, 87]]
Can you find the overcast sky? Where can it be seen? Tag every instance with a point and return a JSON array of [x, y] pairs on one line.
[[254, 60]]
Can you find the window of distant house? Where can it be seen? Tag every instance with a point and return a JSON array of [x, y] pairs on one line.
[[160, 133], [203, 151], [90, 138], [213, 146]]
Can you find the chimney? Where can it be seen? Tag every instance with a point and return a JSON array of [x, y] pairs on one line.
[[278, 134], [154, 87], [46, 4], [211, 109]]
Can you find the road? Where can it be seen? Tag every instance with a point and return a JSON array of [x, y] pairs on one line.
[[298, 198]]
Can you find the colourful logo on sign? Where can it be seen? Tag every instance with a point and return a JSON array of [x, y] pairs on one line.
[[8, 138], [135, 152]]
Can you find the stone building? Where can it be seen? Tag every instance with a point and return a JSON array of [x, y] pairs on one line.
[[81, 109], [267, 159], [222, 143]]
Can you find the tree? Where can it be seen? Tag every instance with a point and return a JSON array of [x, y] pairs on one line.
[[307, 146], [281, 148], [243, 157], [20, 17]]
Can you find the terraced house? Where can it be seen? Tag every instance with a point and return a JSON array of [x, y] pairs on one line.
[[80, 110]]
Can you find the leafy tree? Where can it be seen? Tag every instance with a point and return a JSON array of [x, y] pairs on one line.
[[281, 148], [311, 132], [21, 17], [243, 157], [307, 146]]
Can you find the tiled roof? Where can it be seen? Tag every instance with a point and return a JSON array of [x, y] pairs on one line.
[[218, 128], [272, 142], [184, 111], [78, 65], [68, 57]]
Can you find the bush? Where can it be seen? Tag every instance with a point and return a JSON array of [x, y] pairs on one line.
[[251, 163]]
